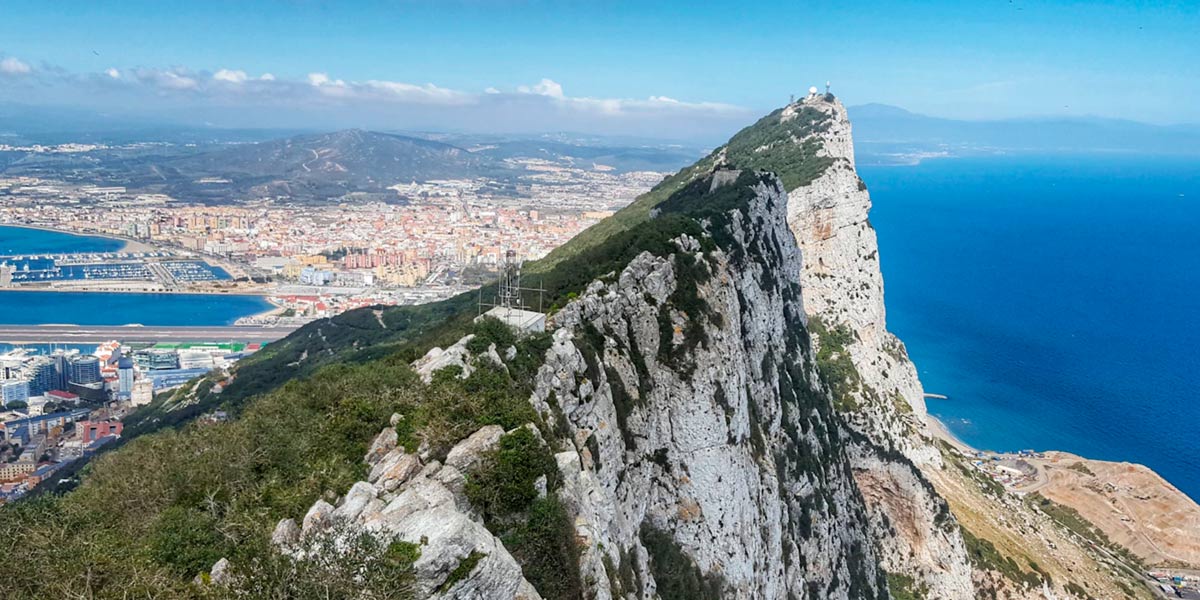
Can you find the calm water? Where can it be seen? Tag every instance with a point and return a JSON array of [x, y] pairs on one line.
[[98, 308], [86, 308], [1053, 300], [22, 240]]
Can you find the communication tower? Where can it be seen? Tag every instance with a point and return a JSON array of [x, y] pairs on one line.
[[509, 302]]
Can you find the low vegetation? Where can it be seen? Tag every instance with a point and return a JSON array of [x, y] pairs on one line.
[[1070, 519], [836, 368], [176, 501], [984, 555], [904, 587], [676, 575]]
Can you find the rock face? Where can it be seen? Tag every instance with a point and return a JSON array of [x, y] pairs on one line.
[[699, 441], [703, 427], [843, 286], [843, 292]]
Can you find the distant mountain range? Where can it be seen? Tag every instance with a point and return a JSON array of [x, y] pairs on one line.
[[889, 134], [320, 166], [326, 166]]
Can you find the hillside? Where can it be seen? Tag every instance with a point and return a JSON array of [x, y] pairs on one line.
[[234, 166], [709, 416], [316, 167]]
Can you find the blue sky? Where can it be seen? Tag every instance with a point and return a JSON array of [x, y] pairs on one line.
[[683, 67]]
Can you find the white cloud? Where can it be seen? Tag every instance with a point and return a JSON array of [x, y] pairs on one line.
[[322, 79], [425, 94], [229, 76], [545, 87], [541, 105], [616, 106], [13, 66], [169, 80]]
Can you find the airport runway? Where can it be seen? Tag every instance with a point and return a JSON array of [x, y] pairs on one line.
[[35, 334]]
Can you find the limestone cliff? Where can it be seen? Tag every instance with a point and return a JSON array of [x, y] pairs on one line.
[[843, 287], [873, 383]]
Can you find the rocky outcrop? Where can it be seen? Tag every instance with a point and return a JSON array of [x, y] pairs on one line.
[[843, 287], [698, 441], [421, 504], [699, 450]]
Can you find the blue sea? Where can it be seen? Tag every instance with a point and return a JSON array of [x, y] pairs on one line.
[[16, 241], [103, 308], [96, 308], [1053, 299]]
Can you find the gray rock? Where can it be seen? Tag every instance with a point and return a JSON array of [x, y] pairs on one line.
[[317, 517], [286, 533], [219, 575], [467, 453], [381, 445], [394, 469]]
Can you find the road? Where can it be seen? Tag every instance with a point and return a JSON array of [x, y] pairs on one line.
[[89, 334]]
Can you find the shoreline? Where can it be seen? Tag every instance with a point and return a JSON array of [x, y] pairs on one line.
[[130, 246], [941, 431]]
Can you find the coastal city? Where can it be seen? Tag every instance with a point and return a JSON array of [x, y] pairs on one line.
[[64, 404], [64, 400], [431, 240]]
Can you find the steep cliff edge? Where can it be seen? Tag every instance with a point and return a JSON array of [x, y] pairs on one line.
[[872, 382]]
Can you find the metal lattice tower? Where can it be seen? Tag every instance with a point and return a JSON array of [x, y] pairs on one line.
[[509, 292]]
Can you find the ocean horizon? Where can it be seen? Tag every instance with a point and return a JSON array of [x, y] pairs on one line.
[[1051, 299]]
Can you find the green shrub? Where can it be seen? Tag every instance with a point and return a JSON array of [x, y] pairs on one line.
[[490, 330], [503, 484], [461, 571], [904, 587], [544, 544], [984, 555], [538, 531], [337, 564], [676, 575], [186, 540]]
